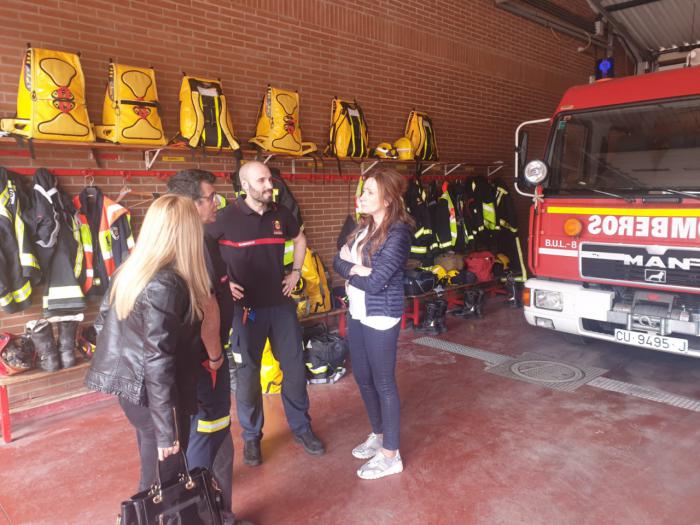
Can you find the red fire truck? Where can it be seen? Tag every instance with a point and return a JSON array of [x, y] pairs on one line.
[[615, 223]]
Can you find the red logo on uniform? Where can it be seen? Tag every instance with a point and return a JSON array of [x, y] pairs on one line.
[[278, 228]]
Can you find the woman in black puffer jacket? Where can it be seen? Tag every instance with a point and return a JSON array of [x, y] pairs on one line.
[[373, 262], [145, 354]]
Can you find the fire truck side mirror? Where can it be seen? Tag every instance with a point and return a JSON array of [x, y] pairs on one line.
[[521, 150]]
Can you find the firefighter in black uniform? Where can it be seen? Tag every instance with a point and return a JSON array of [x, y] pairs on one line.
[[210, 443], [251, 233]]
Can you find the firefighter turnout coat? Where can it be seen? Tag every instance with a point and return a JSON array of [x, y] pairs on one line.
[[19, 268], [105, 231], [56, 234]]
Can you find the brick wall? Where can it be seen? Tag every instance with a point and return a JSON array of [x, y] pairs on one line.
[[477, 70]]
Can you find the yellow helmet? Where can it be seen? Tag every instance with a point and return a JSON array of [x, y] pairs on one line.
[[385, 151], [451, 275], [404, 148], [438, 270], [503, 259]]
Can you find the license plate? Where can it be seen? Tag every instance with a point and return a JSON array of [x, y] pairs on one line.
[[654, 341]]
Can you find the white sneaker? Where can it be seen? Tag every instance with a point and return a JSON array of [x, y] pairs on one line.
[[380, 466], [369, 448]]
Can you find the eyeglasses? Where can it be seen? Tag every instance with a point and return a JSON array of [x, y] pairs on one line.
[[209, 198]]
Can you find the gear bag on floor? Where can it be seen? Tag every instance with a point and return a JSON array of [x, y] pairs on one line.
[[270, 371], [481, 264], [51, 98], [325, 356], [130, 110]]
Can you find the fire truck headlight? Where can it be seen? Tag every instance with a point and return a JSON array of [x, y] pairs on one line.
[[548, 300], [535, 172]]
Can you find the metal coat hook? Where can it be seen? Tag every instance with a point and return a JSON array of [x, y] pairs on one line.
[[124, 191], [494, 168], [364, 170]]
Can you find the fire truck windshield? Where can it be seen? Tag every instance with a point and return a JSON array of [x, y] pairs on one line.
[[627, 150]]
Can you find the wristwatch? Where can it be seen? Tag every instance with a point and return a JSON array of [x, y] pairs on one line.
[[297, 270]]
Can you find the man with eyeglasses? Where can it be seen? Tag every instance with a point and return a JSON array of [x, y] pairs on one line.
[[211, 444]]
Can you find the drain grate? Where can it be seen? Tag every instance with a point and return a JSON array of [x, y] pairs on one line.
[[644, 392], [490, 358], [541, 370]]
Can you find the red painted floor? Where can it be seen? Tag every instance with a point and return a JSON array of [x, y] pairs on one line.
[[477, 448]]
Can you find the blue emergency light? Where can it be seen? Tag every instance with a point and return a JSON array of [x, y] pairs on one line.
[[605, 68]]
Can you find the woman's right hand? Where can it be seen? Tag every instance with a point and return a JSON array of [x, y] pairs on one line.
[[168, 451]]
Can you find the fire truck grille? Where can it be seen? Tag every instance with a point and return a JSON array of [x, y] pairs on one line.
[[642, 264]]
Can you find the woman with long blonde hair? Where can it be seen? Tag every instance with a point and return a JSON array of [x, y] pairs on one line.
[[146, 327]]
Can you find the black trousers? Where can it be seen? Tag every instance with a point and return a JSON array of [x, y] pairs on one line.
[[280, 325], [140, 419]]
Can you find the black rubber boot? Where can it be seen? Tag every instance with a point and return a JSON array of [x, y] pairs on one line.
[[66, 342], [514, 289], [473, 300], [45, 346], [252, 455], [441, 311], [429, 324], [479, 303]]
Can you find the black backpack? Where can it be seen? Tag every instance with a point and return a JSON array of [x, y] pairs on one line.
[[324, 357], [418, 281]]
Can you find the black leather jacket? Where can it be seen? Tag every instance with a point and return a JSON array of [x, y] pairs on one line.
[[149, 358]]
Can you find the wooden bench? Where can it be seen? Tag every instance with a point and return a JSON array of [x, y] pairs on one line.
[[324, 316], [37, 388], [451, 294]]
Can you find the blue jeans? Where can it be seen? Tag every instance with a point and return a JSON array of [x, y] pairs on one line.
[[373, 356]]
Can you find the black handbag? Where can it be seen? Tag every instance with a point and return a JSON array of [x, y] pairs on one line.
[[192, 498]]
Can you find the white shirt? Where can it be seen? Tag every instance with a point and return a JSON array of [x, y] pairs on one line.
[[356, 297]]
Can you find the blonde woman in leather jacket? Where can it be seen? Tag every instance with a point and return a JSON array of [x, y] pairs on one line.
[[146, 326]]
